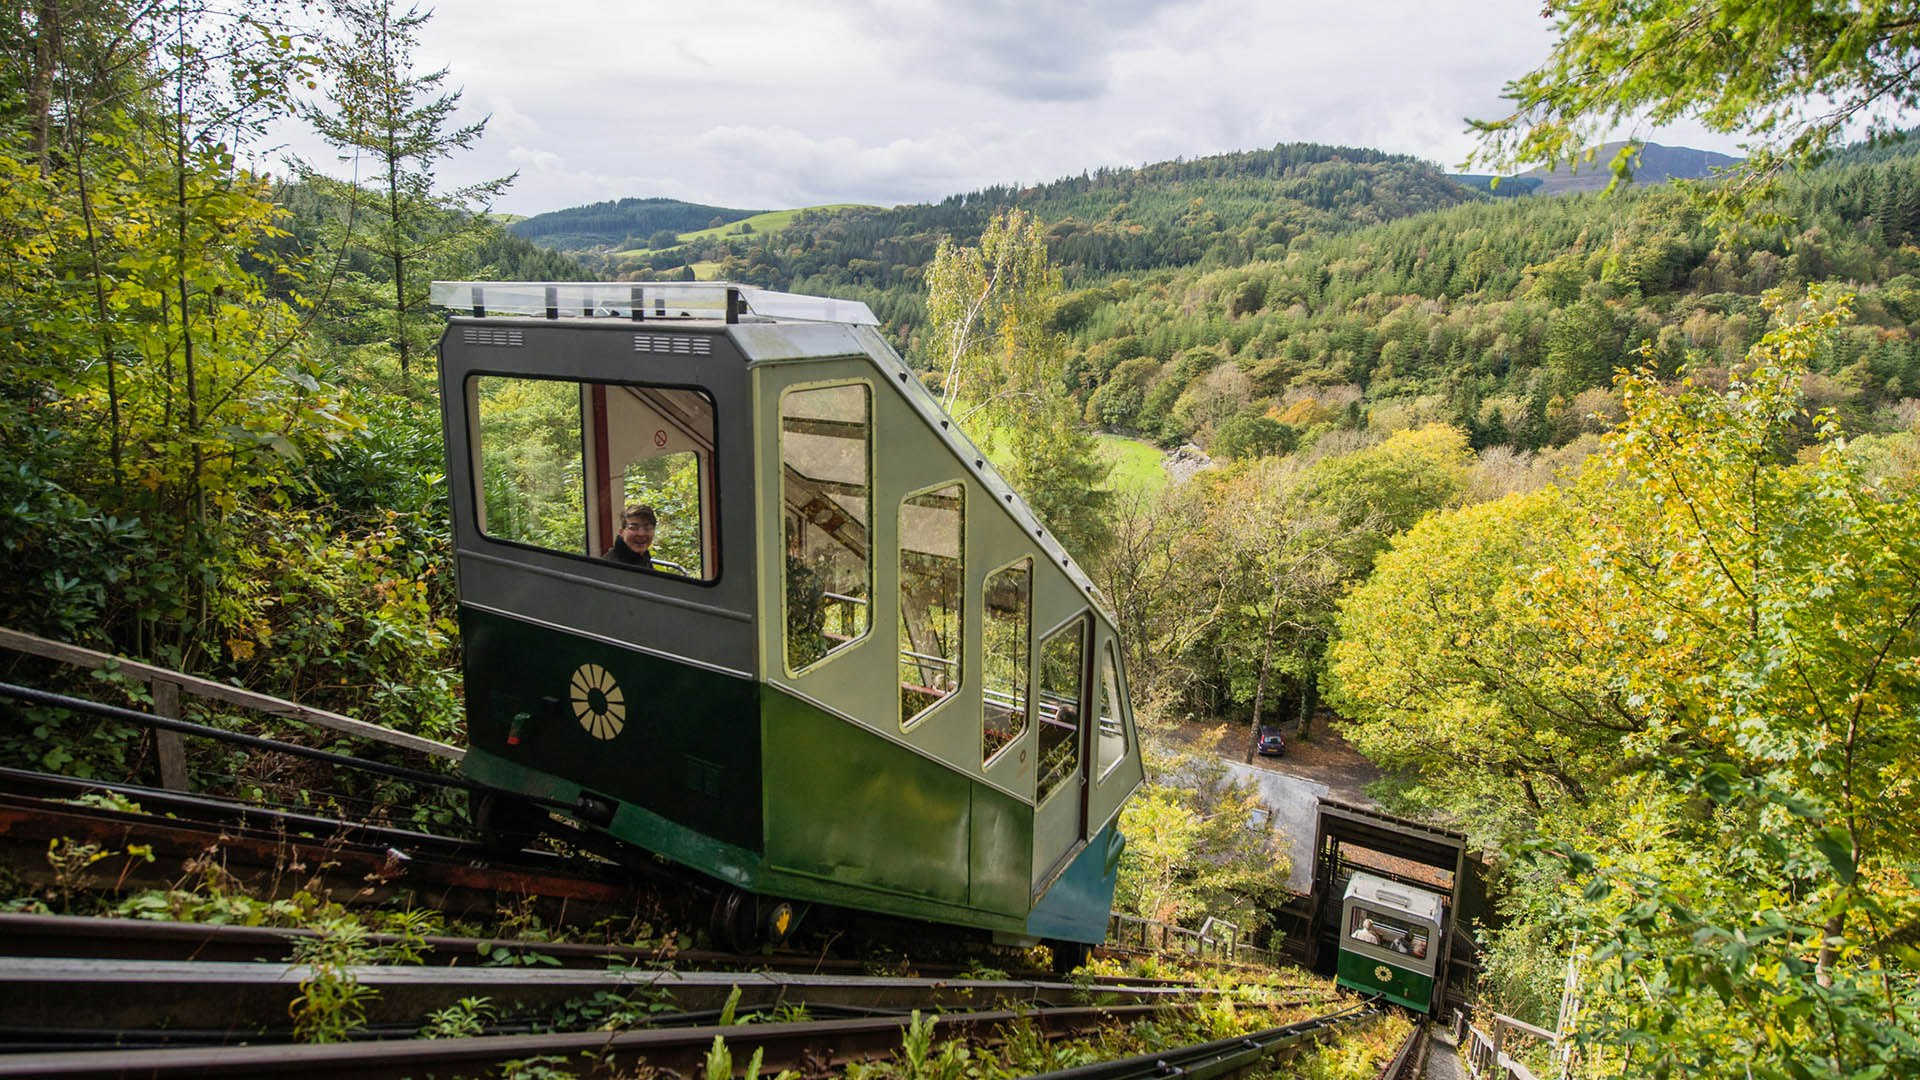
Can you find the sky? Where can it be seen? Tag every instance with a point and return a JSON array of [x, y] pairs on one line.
[[772, 105]]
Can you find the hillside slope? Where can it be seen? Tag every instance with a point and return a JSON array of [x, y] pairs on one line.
[[1656, 164], [622, 223]]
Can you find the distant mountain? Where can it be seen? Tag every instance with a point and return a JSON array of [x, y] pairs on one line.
[[1220, 210], [627, 223], [1655, 164], [1506, 188]]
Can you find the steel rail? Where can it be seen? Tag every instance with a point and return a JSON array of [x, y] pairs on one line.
[[812, 1044], [51, 994], [1405, 1063], [213, 809], [272, 859], [96, 938], [1221, 1057]]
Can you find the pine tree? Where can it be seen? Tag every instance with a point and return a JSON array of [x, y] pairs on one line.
[[377, 107]]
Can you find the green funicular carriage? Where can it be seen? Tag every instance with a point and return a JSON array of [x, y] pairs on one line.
[[732, 707], [1390, 936]]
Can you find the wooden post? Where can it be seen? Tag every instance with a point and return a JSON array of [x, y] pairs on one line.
[[166, 744]]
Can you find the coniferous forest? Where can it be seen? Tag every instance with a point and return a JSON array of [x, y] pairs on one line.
[[1591, 518]]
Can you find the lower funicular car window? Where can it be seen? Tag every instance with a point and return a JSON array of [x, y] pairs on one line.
[[1387, 932], [567, 466]]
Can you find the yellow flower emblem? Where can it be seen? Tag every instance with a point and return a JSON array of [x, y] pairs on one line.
[[597, 702]]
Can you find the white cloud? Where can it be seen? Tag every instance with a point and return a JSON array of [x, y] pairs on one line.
[[766, 103]]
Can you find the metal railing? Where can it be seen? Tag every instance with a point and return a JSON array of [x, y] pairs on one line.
[[1131, 933], [167, 686], [1488, 1054]]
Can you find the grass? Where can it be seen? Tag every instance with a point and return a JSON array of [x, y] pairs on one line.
[[1136, 464], [772, 221]]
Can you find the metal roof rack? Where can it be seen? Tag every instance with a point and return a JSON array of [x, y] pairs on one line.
[[643, 300]]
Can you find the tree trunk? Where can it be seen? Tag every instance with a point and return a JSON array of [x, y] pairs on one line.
[[1260, 687], [1309, 704], [46, 50], [99, 304]]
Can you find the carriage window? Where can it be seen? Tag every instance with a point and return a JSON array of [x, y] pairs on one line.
[[1373, 928], [1111, 744], [1006, 636], [560, 462], [671, 484], [1061, 674], [932, 528], [826, 442]]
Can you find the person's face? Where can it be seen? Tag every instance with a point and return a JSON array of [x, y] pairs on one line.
[[637, 534]]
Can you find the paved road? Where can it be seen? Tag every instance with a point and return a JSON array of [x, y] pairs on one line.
[[1296, 804]]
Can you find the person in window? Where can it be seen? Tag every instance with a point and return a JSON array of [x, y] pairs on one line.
[[1367, 933], [634, 545]]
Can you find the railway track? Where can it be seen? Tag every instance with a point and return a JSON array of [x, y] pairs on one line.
[[271, 852], [69, 987], [809, 1045], [69, 1002], [229, 1016]]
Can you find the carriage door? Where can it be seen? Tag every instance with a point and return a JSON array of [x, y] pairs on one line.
[[1060, 781]]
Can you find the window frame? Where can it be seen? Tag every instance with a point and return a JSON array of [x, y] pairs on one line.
[[959, 484], [1083, 620], [476, 466], [1026, 661], [1119, 712], [780, 503]]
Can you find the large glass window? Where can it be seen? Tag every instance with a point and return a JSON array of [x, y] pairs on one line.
[[671, 484], [581, 467], [1005, 666], [932, 532], [1062, 674], [826, 444], [1111, 744], [1375, 928]]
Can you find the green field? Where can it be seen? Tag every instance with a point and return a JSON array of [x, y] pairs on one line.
[[1136, 464], [772, 221]]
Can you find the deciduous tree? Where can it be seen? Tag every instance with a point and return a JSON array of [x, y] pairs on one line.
[[989, 311]]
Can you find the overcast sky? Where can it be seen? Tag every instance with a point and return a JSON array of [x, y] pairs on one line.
[[781, 104]]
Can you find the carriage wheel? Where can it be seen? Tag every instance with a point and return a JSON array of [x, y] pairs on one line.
[[734, 924], [1068, 955], [505, 824]]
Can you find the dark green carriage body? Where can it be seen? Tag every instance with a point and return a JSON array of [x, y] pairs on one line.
[[670, 694]]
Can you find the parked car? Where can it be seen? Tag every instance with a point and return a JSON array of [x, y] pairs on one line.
[[1272, 743]]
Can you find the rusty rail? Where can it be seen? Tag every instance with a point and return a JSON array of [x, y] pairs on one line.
[[1407, 1061]]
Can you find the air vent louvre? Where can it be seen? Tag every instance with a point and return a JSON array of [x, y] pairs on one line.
[[674, 344], [493, 335]]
